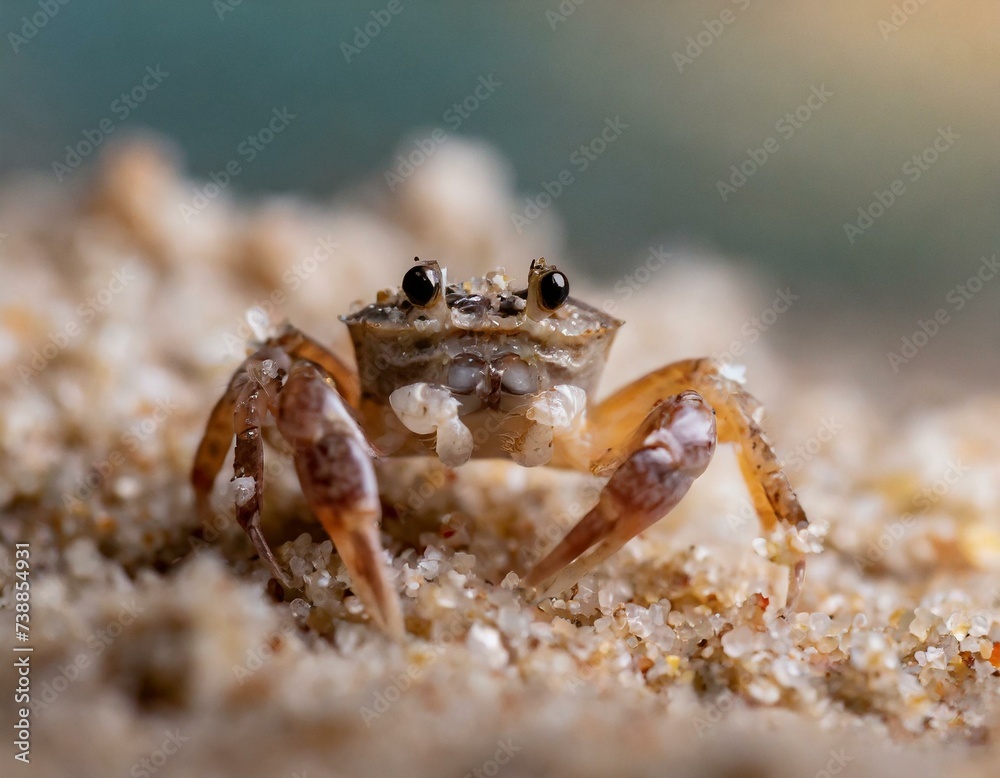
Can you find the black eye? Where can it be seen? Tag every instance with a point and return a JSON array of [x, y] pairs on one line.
[[421, 285], [553, 290]]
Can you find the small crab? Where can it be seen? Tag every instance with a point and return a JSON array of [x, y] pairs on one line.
[[483, 369]]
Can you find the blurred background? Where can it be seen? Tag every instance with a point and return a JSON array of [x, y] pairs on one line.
[[847, 151], [806, 188]]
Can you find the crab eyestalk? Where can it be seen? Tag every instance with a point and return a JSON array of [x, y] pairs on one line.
[[548, 289], [424, 286]]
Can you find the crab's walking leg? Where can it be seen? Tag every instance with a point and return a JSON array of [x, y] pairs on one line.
[[663, 457], [301, 346], [218, 437], [333, 460], [248, 463], [214, 446], [239, 411]]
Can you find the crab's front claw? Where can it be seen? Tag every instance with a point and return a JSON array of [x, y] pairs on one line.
[[431, 409], [356, 539], [671, 448], [333, 460]]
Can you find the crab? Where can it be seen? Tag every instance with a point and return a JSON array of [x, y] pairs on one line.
[[483, 369]]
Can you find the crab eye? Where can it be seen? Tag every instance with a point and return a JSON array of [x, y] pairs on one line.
[[553, 289], [422, 285]]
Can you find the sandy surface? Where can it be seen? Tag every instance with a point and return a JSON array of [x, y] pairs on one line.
[[122, 315]]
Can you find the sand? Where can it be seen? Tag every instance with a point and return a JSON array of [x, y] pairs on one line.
[[124, 299]]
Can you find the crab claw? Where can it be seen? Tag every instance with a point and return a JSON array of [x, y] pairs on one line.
[[333, 460], [356, 539], [671, 448], [339, 484]]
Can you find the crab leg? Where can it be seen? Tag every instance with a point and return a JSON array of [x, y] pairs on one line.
[[248, 463], [218, 436], [333, 460], [215, 443], [736, 419], [301, 346], [669, 450], [219, 431], [738, 412]]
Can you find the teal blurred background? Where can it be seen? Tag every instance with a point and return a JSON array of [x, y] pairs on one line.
[[702, 86]]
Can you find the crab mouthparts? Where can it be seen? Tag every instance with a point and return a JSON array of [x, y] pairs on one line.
[[488, 379]]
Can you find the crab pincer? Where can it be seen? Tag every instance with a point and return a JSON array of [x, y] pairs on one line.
[[484, 369]]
